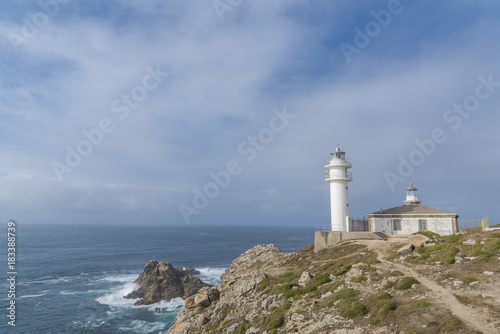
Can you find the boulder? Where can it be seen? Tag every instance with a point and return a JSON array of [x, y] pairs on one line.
[[304, 279], [161, 281], [203, 298], [417, 240], [469, 242], [406, 249]]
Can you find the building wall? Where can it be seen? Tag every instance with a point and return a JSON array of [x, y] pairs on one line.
[[439, 225]]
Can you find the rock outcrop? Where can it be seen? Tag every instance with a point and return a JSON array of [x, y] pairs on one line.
[[355, 287], [161, 281]]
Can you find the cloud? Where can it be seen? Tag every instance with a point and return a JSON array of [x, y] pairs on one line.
[[225, 78]]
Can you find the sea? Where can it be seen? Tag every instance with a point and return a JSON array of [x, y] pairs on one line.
[[72, 278]]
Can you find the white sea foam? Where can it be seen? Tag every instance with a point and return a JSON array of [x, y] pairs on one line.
[[115, 298], [48, 280], [34, 296], [164, 306], [140, 326], [211, 275], [124, 278]]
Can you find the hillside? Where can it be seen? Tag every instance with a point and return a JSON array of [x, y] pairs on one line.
[[365, 286]]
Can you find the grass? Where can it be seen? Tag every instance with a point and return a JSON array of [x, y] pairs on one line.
[[289, 277], [355, 310], [322, 278], [277, 321], [346, 293], [326, 266], [343, 270], [360, 279], [450, 324], [242, 329], [420, 304], [469, 280], [263, 285], [406, 283], [385, 306], [374, 321], [383, 303], [453, 238], [428, 234]]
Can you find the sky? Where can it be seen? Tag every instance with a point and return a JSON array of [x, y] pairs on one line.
[[224, 112]]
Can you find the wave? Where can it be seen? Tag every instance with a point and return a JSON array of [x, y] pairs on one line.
[[49, 280], [115, 298], [122, 278], [34, 296], [211, 275], [140, 326]]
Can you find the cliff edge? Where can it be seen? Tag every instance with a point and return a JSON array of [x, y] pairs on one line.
[[444, 285]]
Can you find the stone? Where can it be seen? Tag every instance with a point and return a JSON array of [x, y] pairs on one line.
[[429, 244], [469, 242], [458, 283], [161, 281], [417, 240], [406, 249], [325, 295], [483, 242], [488, 273], [304, 279], [470, 258]]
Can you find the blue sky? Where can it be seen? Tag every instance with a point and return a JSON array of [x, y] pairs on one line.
[[168, 92]]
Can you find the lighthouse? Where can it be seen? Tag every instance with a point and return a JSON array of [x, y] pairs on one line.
[[338, 177]]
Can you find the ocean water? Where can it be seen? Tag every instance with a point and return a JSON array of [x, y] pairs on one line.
[[72, 279]]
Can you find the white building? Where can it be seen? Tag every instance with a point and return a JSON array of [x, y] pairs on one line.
[[338, 177], [413, 217]]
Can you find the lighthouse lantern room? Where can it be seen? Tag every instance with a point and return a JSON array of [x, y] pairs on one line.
[[338, 177]]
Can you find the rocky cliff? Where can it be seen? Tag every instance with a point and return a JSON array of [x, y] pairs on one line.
[[161, 281], [443, 285]]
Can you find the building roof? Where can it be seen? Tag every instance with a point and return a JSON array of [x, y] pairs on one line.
[[412, 210]]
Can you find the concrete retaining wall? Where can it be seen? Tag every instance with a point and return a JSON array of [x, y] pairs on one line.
[[325, 239]]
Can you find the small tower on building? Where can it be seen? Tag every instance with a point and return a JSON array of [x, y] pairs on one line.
[[338, 177], [411, 196]]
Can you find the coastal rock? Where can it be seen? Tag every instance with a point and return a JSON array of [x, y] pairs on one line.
[[161, 281]]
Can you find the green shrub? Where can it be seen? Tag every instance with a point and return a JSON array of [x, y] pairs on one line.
[[322, 278], [343, 270], [396, 273], [420, 304], [385, 306], [382, 296], [286, 306], [355, 310], [453, 238], [277, 321], [346, 293], [420, 250], [406, 283], [374, 321]]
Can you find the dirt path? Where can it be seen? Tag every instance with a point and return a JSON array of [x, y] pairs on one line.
[[468, 315]]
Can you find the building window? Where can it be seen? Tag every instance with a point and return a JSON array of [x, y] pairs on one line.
[[422, 225], [396, 224]]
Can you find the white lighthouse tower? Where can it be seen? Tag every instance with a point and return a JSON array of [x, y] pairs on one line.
[[338, 177]]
